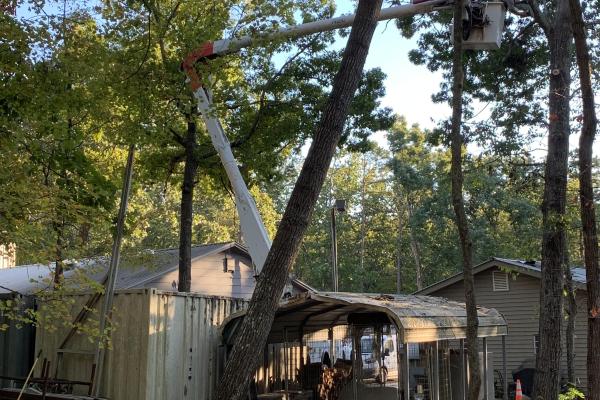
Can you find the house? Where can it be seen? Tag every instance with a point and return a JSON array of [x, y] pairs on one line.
[[513, 288], [218, 269], [8, 255], [165, 344]]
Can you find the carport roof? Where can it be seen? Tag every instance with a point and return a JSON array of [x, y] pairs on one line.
[[419, 318]]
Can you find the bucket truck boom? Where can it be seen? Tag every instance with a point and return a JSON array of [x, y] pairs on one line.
[[486, 29]]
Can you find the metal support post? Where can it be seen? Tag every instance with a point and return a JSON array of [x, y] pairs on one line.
[[331, 345], [436, 370], [504, 369], [334, 272], [406, 375], [285, 362], [356, 351], [486, 393], [113, 269], [399, 365], [463, 368]]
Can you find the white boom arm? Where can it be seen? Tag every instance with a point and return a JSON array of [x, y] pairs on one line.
[[253, 229]]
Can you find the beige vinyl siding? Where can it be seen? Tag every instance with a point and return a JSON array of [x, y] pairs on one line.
[[520, 307], [581, 339], [209, 279]]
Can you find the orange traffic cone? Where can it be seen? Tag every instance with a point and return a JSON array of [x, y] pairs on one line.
[[519, 392]]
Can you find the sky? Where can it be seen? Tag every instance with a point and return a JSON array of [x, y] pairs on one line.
[[409, 87]]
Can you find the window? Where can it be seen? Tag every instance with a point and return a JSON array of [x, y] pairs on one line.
[[500, 281], [536, 343]]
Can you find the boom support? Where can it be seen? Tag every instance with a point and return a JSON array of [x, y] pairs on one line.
[[253, 229]]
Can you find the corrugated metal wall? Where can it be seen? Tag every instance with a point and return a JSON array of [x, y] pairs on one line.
[[184, 334], [16, 346], [164, 345]]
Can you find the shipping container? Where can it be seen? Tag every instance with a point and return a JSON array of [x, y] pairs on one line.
[[164, 345]]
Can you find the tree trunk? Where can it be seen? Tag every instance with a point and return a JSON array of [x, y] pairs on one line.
[[462, 223], [252, 334], [547, 378], [363, 220], [59, 258], [186, 216], [399, 212], [414, 247], [571, 313], [586, 197]]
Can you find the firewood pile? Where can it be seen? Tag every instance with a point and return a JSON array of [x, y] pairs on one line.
[[333, 380]]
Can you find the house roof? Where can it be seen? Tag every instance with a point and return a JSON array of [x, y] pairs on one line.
[[133, 272], [163, 262], [25, 279], [530, 268], [421, 318], [29, 279]]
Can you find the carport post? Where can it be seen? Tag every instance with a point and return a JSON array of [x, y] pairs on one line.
[[331, 347], [285, 359], [463, 367], [406, 373], [486, 395], [436, 369], [504, 372], [356, 354], [398, 346]]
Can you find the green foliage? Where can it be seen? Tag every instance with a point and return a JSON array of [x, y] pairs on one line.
[[572, 394], [399, 202], [58, 303], [80, 82]]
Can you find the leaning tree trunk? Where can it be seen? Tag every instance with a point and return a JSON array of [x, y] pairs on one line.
[[186, 216], [586, 197], [547, 378], [462, 223], [252, 335]]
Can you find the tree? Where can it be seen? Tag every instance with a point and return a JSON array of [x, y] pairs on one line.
[[586, 196], [252, 335], [410, 165], [53, 186], [186, 213], [458, 203], [558, 33]]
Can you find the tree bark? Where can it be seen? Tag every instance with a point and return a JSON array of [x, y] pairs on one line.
[[363, 220], [571, 313], [59, 228], [414, 246], [186, 216], [399, 227], [252, 334], [586, 198], [462, 223], [547, 377]]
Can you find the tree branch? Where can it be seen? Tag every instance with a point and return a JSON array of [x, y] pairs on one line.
[[177, 136], [539, 16]]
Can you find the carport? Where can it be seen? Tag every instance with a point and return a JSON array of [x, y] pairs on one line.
[[365, 346]]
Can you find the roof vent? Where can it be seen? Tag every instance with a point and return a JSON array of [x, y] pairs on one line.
[[500, 281]]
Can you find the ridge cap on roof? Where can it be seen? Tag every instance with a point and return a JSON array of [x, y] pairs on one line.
[[194, 246]]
